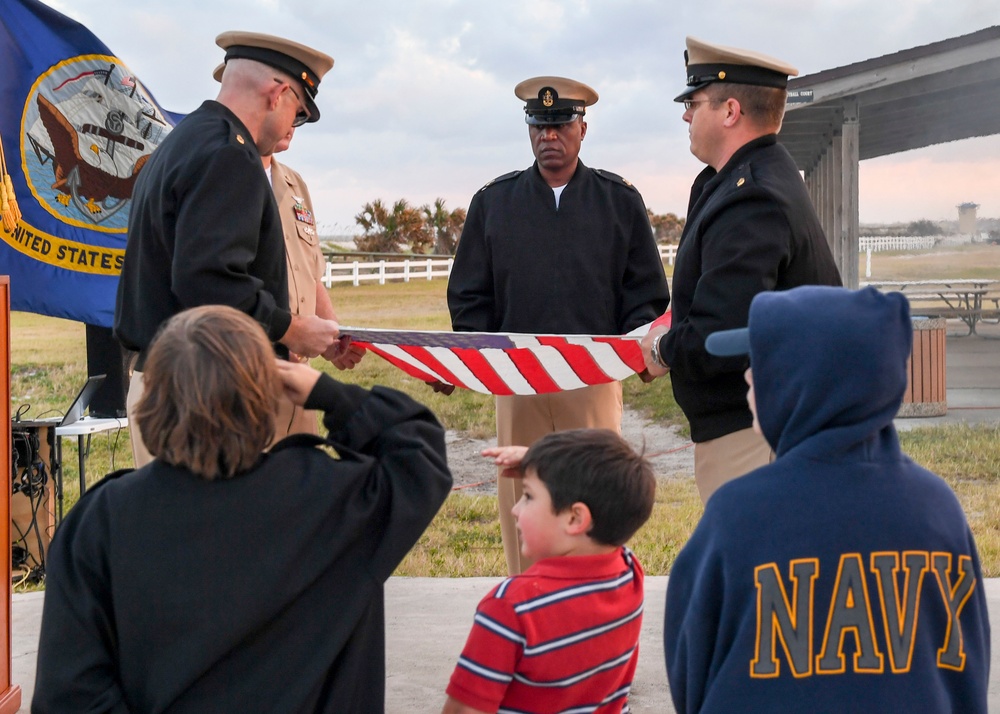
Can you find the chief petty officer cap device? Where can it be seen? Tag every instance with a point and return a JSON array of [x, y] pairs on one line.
[[707, 63], [554, 100], [303, 63]]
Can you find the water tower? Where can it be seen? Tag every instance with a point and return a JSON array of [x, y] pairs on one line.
[[967, 218]]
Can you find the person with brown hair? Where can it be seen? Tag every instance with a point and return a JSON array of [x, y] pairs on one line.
[[221, 577], [750, 227], [202, 412]]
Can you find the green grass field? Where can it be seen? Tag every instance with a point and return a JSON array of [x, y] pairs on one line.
[[49, 365]]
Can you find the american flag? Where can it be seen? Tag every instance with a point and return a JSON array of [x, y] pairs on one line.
[[507, 363]]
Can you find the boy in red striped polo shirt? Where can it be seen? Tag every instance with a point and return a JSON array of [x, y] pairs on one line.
[[565, 633]]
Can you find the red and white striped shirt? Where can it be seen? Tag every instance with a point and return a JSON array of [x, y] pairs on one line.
[[562, 636]]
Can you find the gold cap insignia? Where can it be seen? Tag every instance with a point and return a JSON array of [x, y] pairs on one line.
[[240, 139], [547, 98], [722, 74], [741, 182]]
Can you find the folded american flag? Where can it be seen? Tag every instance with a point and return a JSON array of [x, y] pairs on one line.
[[507, 363]]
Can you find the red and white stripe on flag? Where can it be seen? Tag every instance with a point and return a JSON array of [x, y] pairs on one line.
[[507, 363]]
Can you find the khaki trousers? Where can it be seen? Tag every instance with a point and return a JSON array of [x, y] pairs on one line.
[[140, 455], [523, 420], [721, 460]]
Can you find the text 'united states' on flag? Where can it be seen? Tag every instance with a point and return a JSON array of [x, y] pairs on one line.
[[507, 363], [77, 127]]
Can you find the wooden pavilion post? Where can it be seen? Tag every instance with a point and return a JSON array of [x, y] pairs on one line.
[[849, 191]]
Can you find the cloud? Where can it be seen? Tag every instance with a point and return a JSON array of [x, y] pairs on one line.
[[420, 101], [931, 182]]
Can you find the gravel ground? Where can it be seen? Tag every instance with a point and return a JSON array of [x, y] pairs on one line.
[[672, 455]]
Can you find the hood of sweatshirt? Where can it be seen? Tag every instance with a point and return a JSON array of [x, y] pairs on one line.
[[829, 366]]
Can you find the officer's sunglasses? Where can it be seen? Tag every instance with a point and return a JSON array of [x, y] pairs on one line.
[[302, 115]]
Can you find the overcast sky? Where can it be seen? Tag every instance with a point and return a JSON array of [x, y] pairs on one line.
[[420, 102]]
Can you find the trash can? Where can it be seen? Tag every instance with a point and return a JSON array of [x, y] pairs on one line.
[[925, 390]]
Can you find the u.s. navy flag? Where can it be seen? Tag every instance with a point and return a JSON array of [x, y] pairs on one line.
[[507, 363], [77, 127]]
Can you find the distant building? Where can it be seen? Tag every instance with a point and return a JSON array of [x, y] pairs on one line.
[[967, 218]]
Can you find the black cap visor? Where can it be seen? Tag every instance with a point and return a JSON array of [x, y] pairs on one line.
[[690, 90], [551, 119], [304, 76], [702, 75]]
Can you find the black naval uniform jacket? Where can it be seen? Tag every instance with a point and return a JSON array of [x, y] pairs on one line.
[[750, 227], [166, 592], [204, 229], [590, 267]]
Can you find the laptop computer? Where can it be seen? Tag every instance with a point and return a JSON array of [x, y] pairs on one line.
[[76, 410], [82, 402]]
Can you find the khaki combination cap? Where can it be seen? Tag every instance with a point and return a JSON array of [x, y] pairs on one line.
[[554, 100], [707, 63], [303, 63]]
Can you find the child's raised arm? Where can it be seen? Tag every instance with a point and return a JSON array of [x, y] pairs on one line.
[[509, 456]]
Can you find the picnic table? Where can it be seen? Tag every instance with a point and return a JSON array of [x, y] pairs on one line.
[[971, 300]]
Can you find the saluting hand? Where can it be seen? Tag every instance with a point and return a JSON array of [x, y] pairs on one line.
[[297, 380]]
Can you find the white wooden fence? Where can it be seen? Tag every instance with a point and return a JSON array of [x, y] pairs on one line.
[[874, 244], [668, 253], [357, 272], [382, 270]]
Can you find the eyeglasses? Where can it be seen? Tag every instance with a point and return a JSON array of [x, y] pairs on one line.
[[689, 104], [302, 115]]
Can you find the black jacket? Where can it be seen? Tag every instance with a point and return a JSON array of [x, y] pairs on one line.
[[590, 267], [166, 592], [750, 227], [204, 230]]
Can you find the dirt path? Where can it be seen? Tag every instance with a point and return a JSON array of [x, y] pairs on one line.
[[672, 455]]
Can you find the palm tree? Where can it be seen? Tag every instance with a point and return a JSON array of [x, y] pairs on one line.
[[667, 227], [446, 226], [393, 231]]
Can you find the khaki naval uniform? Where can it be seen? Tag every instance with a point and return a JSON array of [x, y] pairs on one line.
[[306, 264]]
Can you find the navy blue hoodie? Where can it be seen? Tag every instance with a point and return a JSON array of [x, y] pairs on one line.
[[842, 577]]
